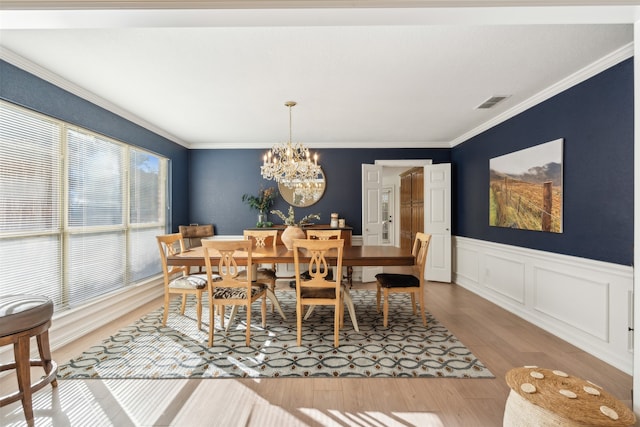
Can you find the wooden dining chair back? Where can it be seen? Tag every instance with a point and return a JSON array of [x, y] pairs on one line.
[[194, 233], [388, 283], [318, 289], [177, 280], [323, 234], [227, 287]]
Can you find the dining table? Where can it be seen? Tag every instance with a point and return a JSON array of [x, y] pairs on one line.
[[352, 256]]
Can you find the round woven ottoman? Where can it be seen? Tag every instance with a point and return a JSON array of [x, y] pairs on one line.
[[23, 317], [544, 398]]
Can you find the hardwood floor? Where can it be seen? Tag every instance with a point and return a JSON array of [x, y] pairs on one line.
[[498, 338]]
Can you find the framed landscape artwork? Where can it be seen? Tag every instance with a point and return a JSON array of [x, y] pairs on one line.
[[525, 188]]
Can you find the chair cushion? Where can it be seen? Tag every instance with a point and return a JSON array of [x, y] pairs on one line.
[[238, 293], [325, 293], [306, 276], [390, 280], [263, 274], [22, 312], [193, 281]]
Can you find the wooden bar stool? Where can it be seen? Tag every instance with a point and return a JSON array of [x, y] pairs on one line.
[[23, 317]]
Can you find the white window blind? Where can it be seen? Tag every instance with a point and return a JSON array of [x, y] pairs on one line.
[[79, 212]]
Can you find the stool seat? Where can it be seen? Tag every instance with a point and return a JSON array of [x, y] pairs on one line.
[[23, 317], [21, 312]]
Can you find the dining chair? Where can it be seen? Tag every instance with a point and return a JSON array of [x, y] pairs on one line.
[[319, 290], [262, 239], [226, 287], [177, 279], [389, 283], [193, 235], [322, 235]]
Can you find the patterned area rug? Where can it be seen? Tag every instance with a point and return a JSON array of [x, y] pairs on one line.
[[146, 349]]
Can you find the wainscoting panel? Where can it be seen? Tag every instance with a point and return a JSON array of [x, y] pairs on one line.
[[505, 276], [582, 301], [555, 294]]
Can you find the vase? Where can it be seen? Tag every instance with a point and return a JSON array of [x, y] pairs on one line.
[[262, 217], [290, 234]]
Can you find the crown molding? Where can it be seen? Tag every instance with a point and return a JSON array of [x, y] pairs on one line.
[[51, 77], [580, 76], [322, 145]]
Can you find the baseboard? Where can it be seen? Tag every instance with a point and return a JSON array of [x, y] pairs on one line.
[[71, 325], [584, 302]]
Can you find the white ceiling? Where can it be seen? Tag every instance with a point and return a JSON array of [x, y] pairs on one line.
[[403, 77]]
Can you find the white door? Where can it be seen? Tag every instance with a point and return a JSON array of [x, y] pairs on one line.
[[437, 220], [371, 214]]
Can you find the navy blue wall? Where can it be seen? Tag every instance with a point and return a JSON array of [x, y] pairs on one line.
[[27, 90], [595, 118], [219, 178]]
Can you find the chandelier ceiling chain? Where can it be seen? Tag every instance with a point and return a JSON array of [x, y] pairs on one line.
[[290, 163]]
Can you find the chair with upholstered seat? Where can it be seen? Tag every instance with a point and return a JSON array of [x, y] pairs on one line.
[[177, 279], [21, 318], [389, 283], [228, 288], [193, 235], [318, 290], [262, 239]]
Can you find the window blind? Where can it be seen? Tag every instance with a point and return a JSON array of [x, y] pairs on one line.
[[79, 212]]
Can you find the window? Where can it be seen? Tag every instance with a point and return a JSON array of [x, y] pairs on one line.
[[79, 212]]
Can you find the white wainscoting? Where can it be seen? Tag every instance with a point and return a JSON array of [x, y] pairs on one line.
[[582, 301]]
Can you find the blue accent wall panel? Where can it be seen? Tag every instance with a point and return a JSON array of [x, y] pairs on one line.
[[595, 118], [29, 91], [219, 178]]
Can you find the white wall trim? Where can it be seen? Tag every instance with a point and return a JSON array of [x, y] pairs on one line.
[[579, 76], [582, 301], [73, 324], [51, 77]]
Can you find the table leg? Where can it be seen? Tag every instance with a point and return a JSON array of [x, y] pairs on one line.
[[274, 300], [350, 275]]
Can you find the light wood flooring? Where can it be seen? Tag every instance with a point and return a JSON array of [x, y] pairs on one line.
[[498, 338]]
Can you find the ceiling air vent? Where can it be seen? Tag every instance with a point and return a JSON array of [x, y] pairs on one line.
[[491, 102]]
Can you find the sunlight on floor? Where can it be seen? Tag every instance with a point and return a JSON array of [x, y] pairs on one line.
[[373, 419]]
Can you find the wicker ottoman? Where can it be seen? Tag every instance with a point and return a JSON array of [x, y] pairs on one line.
[[543, 398]]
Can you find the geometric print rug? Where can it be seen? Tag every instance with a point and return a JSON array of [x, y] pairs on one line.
[[405, 348]]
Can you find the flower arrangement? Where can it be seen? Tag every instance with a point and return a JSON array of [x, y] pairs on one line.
[[291, 219], [263, 201]]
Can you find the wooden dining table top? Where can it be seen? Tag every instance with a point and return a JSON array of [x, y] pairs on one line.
[[351, 256]]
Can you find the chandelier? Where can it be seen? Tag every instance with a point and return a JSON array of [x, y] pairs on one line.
[[290, 163]]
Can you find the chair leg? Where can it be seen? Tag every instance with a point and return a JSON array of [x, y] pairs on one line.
[[299, 309], [165, 316], [45, 355], [23, 371], [336, 325], [378, 297], [212, 322], [263, 309], [413, 303], [199, 309], [385, 310], [422, 307], [184, 304], [275, 303], [248, 330]]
